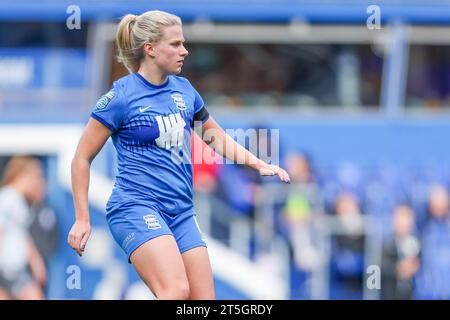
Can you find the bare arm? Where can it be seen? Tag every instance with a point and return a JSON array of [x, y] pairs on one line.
[[36, 262], [226, 146], [94, 137]]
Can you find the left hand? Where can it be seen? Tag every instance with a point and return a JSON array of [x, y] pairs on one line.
[[271, 170]]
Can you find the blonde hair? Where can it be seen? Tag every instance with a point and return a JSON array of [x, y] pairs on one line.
[[134, 31], [17, 166]]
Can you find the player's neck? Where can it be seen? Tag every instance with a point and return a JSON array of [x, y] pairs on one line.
[[152, 74]]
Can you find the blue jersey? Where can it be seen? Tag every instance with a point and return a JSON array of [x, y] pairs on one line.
[[151, 128]]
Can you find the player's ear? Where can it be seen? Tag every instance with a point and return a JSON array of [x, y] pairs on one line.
[[149, 49]]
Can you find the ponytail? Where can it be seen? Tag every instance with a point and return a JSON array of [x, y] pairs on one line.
[[134, 31], [128, 55]]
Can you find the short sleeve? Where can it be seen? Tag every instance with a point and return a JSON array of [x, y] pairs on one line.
[[200, 112], [198, 102], [110, 109]]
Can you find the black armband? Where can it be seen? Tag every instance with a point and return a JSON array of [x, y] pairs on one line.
[[201, 115]]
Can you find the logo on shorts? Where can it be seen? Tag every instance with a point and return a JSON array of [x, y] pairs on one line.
[[152, 222], [129, 238]]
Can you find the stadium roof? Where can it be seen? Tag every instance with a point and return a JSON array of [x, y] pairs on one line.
[[254, 11]]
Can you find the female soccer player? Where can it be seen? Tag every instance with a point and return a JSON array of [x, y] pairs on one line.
[[149, 115]]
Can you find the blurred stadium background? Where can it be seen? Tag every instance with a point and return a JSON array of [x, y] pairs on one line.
[[364, 122]]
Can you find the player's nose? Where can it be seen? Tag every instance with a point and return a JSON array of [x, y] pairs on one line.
[[184, 52]]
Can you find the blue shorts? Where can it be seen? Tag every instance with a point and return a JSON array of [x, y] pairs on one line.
[[133, 225]]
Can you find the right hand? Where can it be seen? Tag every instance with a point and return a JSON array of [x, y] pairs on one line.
[[271, 170], [78, 236]]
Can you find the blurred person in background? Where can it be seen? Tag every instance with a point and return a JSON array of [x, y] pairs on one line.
[[298, 210], [296, 219], [239, 188], [22, 269], [149, 115], [239, 184], [301, 166], [44, 231], [433, 281], [400, 259], [348, 246]]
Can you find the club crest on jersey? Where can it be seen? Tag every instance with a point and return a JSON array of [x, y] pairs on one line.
[[178, 100], [104, 100]]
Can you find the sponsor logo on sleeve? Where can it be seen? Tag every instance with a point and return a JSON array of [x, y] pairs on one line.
[[103, 102]]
